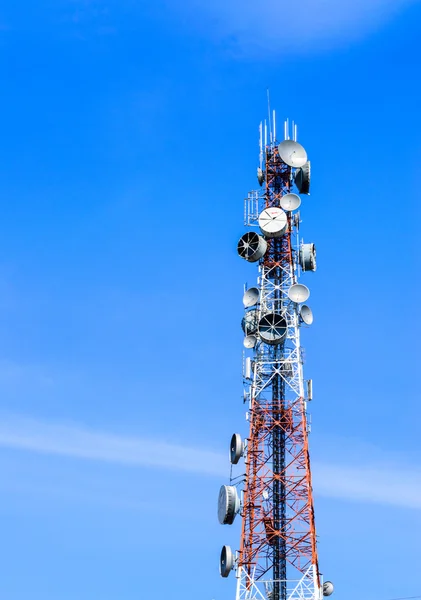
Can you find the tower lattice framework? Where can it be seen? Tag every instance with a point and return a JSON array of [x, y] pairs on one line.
[[277, 558]]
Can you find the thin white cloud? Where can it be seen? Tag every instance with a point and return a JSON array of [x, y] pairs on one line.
[[83, 443], [359, 482], [288, 26]]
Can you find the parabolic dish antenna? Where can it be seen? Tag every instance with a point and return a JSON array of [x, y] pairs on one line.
[[228, 504], [236, 448], [273, 222], [260, 175], [251, 246], [290, 202], [226, 562], [272, 328], [251, 297], [302, 178], [250, 341], [327, 588], [298, 292], [292, 153], [306, 314], [308, 257]]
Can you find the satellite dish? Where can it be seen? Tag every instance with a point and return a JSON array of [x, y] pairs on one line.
[[328, 588], [236, 448], [306, 314], [251, 297], [302, 178], [272, 328], [251, 246], [249, 322], [228, 504], [290, 202], [292, 153], [298, 292], [260, 176], [308, 257], [273, 222], [226, 562], [250, 341]]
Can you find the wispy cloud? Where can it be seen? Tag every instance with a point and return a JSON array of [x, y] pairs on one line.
[[360, 481], [83, 443], [288, 26]]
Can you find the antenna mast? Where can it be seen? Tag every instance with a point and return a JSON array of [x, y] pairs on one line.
[[277, 558]]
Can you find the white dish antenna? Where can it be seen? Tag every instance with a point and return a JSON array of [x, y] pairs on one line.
[[260, 176], [250, 341], [307, 257], [251, 297], [328, 588], [298, 293], [226, 562], [236, 448], [272, 328], [302, 178], [290, 202], [292, 153], [228, 504], [273, 222], [306, 314], [251, 246]]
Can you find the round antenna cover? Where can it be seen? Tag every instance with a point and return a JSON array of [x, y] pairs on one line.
[[298, 293], [249, 322], [302, 178], [250, 341], [260, 176], [290, 202], [306, 314], [226, 562], [328, 588], [272, 328], [251, 246], [251, 297], [236, 448], [308, 257], [273, 222], [228, 504], [292, 153]]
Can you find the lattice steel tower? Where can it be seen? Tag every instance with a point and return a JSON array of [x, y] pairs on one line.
[[277, 559]]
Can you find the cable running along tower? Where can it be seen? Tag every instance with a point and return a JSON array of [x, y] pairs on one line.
[[272, 492]]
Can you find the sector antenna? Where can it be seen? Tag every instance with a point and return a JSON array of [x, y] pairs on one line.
[[270, 487]]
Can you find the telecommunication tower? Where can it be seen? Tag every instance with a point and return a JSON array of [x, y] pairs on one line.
[[272, 494]]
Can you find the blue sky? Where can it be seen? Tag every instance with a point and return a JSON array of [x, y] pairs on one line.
[[128, 142]]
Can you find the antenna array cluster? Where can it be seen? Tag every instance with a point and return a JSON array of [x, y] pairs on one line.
[[277, 559]]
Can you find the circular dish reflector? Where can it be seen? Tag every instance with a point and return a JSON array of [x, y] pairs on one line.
[[290, 202], [251, 297], [273, 222], [272, 328], [250, 342], [307, 257], [302, 178], [328, 588], [292, 153], [298, 292], [226, 562], [228, 504], [251, 246], [236, 448], [306, 314]]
